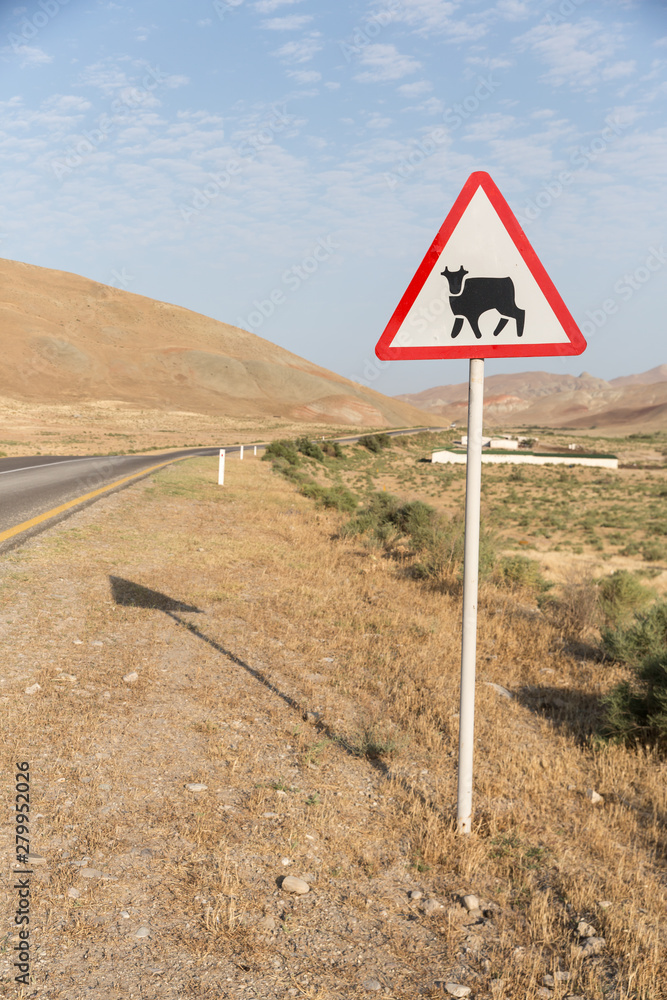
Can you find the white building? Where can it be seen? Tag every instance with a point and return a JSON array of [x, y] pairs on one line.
[[510, 444], [499, 442], [528, 458]]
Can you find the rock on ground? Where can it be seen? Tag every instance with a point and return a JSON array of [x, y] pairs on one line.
[[457, 990], [295, 885]]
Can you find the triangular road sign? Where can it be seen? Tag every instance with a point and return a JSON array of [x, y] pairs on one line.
[[480, 291]]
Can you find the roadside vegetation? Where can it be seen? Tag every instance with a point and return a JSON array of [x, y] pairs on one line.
[[297, 661], [617, 613]]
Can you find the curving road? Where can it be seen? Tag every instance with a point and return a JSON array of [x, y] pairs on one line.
[[38, 491]]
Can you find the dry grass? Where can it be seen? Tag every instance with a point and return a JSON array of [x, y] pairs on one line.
[[580, 523], [309, 679], [110, 426]]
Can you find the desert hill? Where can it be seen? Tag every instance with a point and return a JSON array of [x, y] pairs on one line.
[[66, 339], [658, 374], [543, 399]]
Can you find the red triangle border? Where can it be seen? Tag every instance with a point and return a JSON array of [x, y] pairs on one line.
[[577, 343]]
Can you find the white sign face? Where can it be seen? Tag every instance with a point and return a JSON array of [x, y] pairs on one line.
[[480, 291], [492, 255]]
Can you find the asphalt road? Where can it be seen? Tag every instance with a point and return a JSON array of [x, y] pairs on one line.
[[39, 490]]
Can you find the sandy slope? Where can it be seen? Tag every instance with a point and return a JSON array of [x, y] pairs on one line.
[[67, 339]]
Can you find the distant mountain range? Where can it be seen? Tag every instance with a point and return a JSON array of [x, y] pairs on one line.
[[542, 399], [67, 339]]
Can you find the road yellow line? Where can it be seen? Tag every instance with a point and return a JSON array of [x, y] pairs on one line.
[[18, 528]]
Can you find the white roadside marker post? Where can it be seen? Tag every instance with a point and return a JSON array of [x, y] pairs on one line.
[[241, 453], [470, 592], [221, 468], [254, 450]]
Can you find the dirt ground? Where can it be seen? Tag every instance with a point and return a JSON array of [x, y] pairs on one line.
[[183, 634]]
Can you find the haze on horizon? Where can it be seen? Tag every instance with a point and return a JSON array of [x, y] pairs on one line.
[[283, 165]]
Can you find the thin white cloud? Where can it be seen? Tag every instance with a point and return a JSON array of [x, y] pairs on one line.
[[619, 69], [514, 10], [384, 62], [104, 76], [29, 55], [487, 127], [378, 122], [304, 76], [575, 54], [300, 51], [67, 103], [415, 89], [268, 6], [489, 62], [174, 81], [430, 107], [428, 16], [292, 22]]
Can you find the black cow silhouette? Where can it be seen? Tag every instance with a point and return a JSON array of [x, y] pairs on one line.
[[477, 296]]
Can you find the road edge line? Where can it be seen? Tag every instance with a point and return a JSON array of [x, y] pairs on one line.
[[26, 525]]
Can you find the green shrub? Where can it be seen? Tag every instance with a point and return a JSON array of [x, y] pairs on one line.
[[646, 637], [654, 551], [442, 556], [291, 472], [385, 517], [637, 710], [378, 514], [312, 490], [285, 450], [439, 541], [520, 571], [309, 448], [332, 449], [375, 442], [363, 524], [340, 498], [417, 520], [620, 596], [336, 497]]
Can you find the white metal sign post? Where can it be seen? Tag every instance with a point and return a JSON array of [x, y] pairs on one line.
[[470, 593], [480, 292], [221, 468]]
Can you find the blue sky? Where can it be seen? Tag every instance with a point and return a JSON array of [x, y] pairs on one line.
[[283, 165]]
